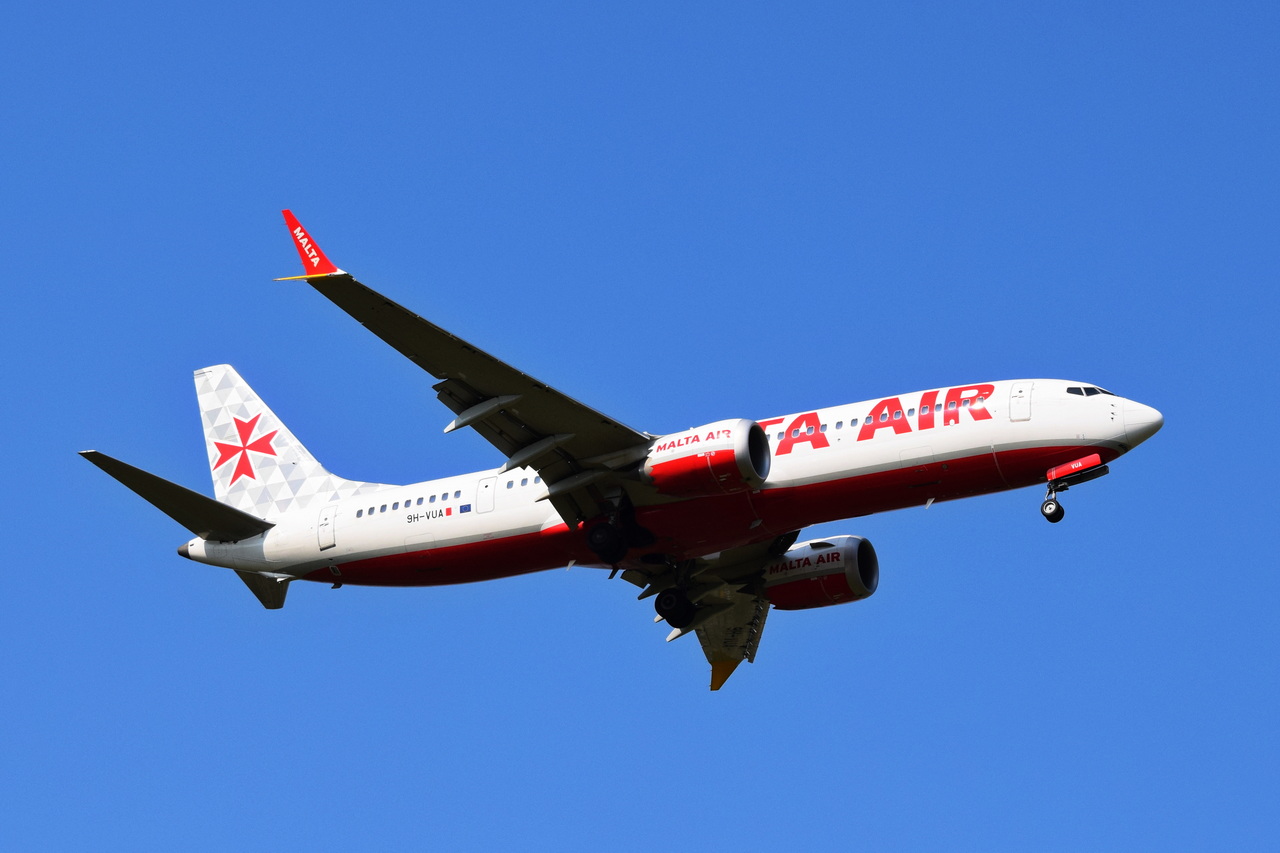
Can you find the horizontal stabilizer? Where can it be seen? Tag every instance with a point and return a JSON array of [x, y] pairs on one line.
[[200, 514], [270, 591]]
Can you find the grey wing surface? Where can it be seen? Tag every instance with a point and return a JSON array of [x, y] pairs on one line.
[[572, 446], [729, 589]]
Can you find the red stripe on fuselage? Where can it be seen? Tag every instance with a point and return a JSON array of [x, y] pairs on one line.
[[705, 525]]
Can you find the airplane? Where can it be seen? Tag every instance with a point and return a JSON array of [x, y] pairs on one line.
[[704, 521]]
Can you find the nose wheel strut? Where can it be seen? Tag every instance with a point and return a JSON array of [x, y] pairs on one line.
[[1052, 509], [1064, 477]]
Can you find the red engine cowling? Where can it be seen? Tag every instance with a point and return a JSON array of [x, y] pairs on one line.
[[716, 459], [823, 572]]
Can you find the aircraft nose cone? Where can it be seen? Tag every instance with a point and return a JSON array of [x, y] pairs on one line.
[[1140, 422]]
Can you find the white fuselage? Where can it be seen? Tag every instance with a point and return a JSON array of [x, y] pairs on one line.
[[826, 464]]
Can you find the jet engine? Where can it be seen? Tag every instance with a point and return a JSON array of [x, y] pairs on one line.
[[823, 572], [716, 459]]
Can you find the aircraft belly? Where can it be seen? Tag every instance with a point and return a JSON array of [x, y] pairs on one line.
[[460, 562]]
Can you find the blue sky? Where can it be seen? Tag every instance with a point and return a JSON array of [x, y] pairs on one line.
[[676, 214]]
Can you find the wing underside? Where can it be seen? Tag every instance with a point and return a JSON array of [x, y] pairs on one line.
[[729, 590], [733, 634]]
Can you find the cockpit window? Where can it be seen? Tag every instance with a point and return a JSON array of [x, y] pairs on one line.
[[1077, 391], [1089, 392]]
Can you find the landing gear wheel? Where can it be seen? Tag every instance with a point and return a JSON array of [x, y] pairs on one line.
[[607, 543], [1052, 510], [675, 607]]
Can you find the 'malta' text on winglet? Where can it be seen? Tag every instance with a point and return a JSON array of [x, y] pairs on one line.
[[313, 259]]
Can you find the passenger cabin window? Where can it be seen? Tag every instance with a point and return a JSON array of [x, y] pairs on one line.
[[419, 501], [359, 513], [383, 508]]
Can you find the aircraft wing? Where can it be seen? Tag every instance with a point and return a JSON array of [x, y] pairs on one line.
[[732, 608], [573, 447], [732, 634]]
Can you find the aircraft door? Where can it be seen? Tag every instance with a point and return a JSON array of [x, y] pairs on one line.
[[1020, 401], [484, 498], [324, 528]]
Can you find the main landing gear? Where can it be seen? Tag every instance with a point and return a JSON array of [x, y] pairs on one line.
[[611, 538], [607, 542]]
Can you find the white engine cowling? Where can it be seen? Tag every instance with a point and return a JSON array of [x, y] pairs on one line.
[[716, 459], [823, 572]]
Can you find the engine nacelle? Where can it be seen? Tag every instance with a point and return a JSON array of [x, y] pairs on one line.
[[716, 459], [823, 572]]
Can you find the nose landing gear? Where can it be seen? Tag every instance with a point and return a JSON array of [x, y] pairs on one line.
[[1064, 477], [1051, 509]]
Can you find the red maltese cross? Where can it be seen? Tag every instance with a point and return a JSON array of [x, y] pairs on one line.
[[227, 452]]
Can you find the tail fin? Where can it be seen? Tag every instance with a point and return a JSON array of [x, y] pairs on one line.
[[258, 465]]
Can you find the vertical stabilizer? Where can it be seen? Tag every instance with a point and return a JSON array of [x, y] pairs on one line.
[[258, 465]]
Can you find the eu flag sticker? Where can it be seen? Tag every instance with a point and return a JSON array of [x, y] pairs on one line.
[[465, 508]]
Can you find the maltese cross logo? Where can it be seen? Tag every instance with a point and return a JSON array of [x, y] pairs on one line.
[[240, 452]]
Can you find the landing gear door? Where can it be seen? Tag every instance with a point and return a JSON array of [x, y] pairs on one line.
[[324, 528], [1020, 401], [484, 497]]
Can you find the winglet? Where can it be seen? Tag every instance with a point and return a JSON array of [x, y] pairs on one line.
[[720, 672], [313, 259]]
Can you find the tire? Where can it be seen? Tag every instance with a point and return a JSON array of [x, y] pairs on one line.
[[1052, 511], [606, 542]]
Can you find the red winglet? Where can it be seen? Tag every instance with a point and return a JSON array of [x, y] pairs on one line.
[[313, 260]]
